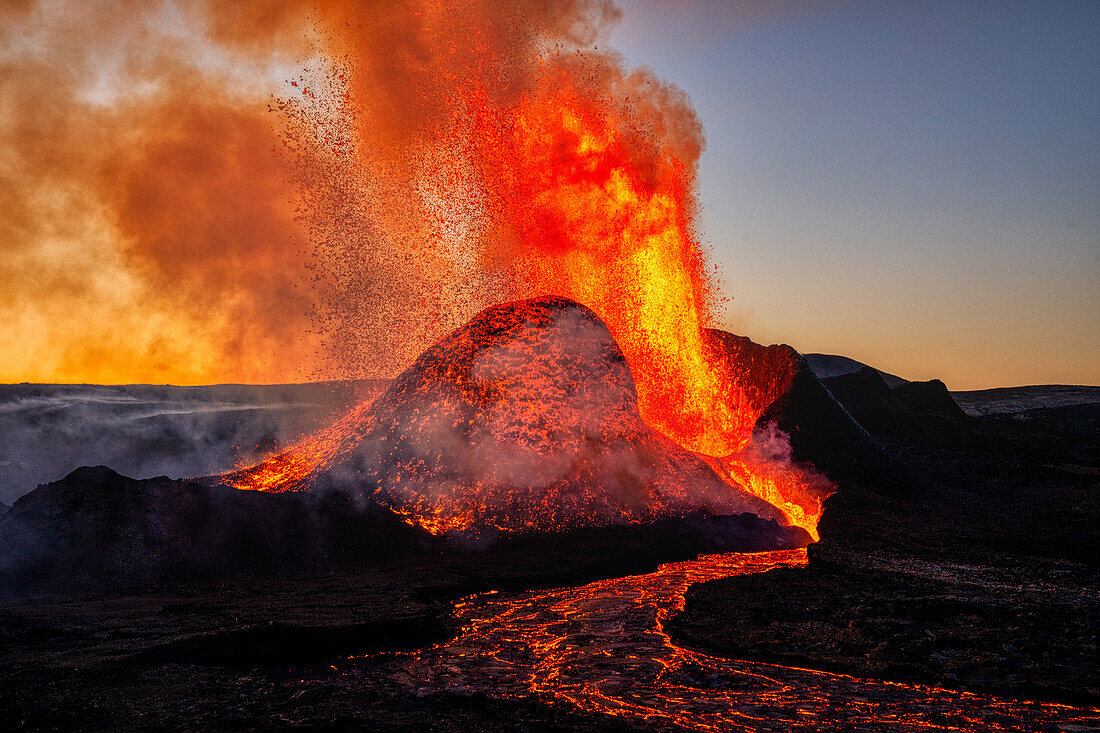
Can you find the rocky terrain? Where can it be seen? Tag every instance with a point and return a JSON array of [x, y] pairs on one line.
[[985, 575], [259, 653]]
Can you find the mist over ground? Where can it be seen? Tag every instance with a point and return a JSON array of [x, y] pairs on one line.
[[150, 430], [153, 430]]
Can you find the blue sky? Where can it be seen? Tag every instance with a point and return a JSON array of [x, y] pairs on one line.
[[915, 185]]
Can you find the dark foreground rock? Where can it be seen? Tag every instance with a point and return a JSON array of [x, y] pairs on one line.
[[987, 578], [260, 651], [257, 654], [98, 529]]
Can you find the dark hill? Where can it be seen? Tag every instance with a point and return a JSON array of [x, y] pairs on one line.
[[922, 411], [1018, 400], [822, 432], [95, 528]]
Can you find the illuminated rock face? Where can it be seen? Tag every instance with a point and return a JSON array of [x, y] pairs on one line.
[[527, 419], [784, 391]]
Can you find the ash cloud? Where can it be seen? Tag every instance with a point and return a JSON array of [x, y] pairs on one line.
[[150, 230], [273, 190], [148, 227]]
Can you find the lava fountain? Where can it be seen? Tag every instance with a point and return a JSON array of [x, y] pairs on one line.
[[535, 166]]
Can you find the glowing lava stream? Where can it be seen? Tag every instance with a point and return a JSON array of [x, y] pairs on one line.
[[602, 648]]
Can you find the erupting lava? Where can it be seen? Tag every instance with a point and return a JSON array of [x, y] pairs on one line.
[[574, 178], [600, 212], [525, 419]]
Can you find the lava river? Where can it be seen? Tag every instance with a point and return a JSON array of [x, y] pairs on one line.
[[602, 648]]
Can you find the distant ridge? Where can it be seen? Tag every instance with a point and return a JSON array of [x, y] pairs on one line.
[[1016, 400], [825, 366], [974, 402], [50, 430]]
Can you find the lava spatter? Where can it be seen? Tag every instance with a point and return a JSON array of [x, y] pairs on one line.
[[530, 164]]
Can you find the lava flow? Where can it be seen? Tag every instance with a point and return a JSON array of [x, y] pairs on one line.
[[602, 648]]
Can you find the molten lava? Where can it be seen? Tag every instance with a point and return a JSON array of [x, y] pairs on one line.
[[601, 212], [574, 179], [603, 648], [292, 470]]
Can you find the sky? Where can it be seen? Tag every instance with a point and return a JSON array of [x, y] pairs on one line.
[[913, 185]]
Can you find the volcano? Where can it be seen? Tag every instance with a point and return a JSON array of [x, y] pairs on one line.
[[522, 423], [524, 419]]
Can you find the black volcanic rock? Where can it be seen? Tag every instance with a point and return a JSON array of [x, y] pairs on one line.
[[526, 418], [741, 533], [96, 528], [922, 411]]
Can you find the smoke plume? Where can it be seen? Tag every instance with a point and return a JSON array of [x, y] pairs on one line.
[[239, 191], [148, 230]]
